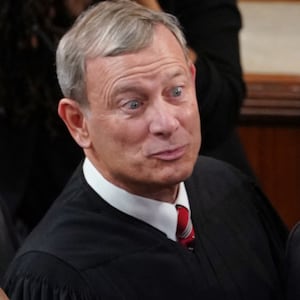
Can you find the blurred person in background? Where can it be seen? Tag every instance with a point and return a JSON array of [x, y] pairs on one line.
[[37, 154]]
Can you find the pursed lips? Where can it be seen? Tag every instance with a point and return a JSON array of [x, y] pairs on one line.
[[171, 153]]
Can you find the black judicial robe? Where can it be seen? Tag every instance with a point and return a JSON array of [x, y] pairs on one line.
[[292, 264], [86, 249]]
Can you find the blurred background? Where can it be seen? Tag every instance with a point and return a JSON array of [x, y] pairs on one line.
[[270, 118]]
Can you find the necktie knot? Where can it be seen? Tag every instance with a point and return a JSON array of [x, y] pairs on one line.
[[185, 231]]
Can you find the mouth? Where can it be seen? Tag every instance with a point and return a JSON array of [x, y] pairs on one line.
[[170, 154]]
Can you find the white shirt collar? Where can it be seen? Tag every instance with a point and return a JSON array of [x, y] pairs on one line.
[[161, 215]]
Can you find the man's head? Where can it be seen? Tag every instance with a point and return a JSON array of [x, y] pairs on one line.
[[110, 28], [130, 96]]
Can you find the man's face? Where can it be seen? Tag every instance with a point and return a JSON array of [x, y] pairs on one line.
[[143, 121]]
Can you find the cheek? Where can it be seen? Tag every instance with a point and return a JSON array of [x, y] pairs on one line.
[[100, 133], [119, 135], [131, 135], [191, 118]]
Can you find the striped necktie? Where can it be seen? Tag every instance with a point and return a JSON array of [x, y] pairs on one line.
[[185, 232]]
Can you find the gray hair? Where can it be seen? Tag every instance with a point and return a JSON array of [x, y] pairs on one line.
[[108, 28]]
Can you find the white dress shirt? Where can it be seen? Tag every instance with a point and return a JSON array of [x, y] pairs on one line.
[[161, 215]]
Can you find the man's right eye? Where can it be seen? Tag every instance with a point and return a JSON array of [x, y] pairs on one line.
[[133, 104]]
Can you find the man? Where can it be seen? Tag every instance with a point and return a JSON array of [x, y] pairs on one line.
[[130, 104]]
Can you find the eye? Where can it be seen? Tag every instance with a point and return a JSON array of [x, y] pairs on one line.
[[133, 104], [176, 91]]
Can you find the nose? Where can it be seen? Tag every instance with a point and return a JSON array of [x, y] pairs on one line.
[[164, 120]]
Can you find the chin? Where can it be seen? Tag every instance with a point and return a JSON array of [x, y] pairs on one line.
[[179, 174]]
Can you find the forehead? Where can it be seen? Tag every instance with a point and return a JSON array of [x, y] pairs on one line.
[[164, 54]]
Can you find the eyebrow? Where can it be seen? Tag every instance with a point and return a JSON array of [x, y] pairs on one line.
[[125, 88], [178, 72]]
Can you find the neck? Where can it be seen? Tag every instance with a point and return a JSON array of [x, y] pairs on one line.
[[164, 194]]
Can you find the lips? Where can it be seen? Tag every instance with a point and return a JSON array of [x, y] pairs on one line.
[[169, 154]]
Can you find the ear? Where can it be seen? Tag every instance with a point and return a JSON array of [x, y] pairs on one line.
[[74, 117], [192, 70]]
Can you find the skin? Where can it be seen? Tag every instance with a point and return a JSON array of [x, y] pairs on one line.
[[141, 129], [153, 4], [75, 7], [3, 295]]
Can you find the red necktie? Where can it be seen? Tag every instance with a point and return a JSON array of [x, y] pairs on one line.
[[185, 232]]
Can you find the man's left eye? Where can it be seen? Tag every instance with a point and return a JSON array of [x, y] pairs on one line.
[[176, 92], [133, 104]]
